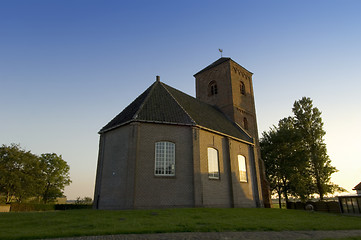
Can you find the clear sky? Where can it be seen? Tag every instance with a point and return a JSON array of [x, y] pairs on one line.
[[67, 67]]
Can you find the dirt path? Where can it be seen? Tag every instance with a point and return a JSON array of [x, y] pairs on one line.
[[227, 235]]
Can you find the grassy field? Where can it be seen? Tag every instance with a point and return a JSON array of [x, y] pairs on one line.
[[31, 225]]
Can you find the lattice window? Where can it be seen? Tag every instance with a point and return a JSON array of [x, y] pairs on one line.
[[164, 159]]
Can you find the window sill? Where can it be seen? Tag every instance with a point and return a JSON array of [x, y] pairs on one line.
[[214, 178]]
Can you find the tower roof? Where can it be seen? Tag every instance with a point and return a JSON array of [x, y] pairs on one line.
[[218, 62], [161, 103]]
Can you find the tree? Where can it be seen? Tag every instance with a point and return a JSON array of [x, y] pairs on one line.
[[19, 173], [295, 154], [309, 123], [85, 200], [268, 145], [24, 174], [283, 160], [55, 173]]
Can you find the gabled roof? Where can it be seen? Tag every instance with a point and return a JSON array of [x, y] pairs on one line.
[[161, 103], [357, 187]]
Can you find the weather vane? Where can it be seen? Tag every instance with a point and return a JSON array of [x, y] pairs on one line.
[[221, 51]]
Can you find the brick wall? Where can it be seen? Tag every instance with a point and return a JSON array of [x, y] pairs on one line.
[[227, 191], [243, 193], [154, 191], [112, 183], [126, 177]]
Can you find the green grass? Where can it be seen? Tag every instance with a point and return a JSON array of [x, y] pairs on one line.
[[30, 225]]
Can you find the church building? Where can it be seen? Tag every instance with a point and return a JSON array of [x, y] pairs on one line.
[[168, 149]]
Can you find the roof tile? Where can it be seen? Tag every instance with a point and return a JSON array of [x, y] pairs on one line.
[[164, 104]]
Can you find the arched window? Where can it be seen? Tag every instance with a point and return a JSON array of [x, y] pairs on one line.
[[245, 123], [242, 88], [242, 168], [164, 159], [213, 167], [212, 88]]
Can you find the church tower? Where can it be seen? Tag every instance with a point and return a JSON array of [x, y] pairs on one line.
[[228, 86]]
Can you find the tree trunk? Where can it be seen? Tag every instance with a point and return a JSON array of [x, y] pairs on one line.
[[286, 197], [285, 190], [320, 190], [45, 194], [8, 198], [279, 200]]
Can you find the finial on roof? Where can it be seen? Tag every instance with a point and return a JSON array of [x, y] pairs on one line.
[[157, 78], [221, 51]]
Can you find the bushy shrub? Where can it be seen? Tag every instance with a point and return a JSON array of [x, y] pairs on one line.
[[72, 206], [33, 207], [29, 207], [321, 206]]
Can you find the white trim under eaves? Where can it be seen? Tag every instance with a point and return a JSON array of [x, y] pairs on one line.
[[145, 121], [226, 135]]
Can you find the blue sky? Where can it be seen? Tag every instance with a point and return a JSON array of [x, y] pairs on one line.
[[68, 67]]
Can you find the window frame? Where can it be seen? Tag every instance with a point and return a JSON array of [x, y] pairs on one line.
[[213, 163], [243, 177], [243, 88], [245, 123], [164, 157], [212, 88]]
